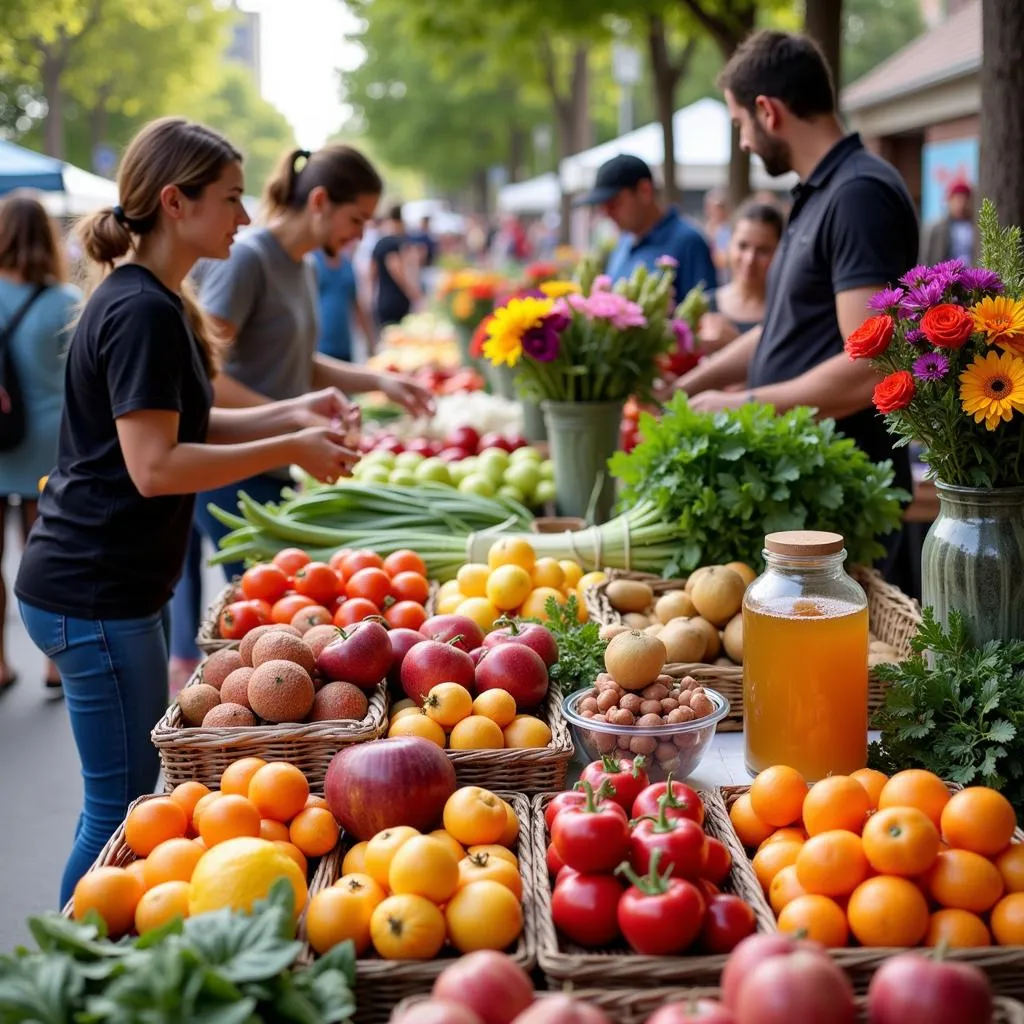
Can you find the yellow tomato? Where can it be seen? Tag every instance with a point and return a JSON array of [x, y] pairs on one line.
[[511, 551], [508, 587], [497, 705], [424, 867], [476, 733], [481, 611], [493, 850], [417, 725], [572, 573], [446, 605], [448, 704], [457, 849], [402, 705], [407, 927], [382, 848], [471, 579], [475, 816], [526, 731], [483, 915], [447, 589], [405, 712], [480, 867], [342, 912], [534, 606], [590, 579], [511, 833], [355, 860], [548, 572]]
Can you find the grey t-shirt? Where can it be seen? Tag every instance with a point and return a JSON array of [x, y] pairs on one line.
[[272, 301]]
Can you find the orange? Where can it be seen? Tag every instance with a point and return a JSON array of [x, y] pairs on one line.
[[270, 829], [448, 704], [526, 731], [964, 880], [476, 733], [548, 572], [279, 790], [835, 802], [201, 805], [508, 587], [417, 725], [785, 888], [172, 861], [873, 782], [749, 827], [1011, 866], [425, 867], [317, 801], [198, 840], [901, 841], [980, 820], [113, 893], [162, 903], [228, 818], [916, 788], [1008, 920], [784, 835], [151, 822], [497, 705], [536, 605], [137, 869], [354, 861], [314, 831], [885, 911], [187, 794], [957, 929], [816, 918], [296, 855], [777, 795], [331, 918], [235, 778], [832, 864], [771, 859]]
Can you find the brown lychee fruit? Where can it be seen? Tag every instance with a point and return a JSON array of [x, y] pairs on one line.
[[235, 689], [196, 700], [226, 716], [277, 646], [280, 691], [248, 641], [218, 666], [339, 701]]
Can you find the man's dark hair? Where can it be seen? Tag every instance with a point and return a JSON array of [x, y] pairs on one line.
[[395, 212], [784, 66]]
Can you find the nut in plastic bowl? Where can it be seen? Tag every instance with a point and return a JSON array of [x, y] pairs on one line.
[[668, 748]]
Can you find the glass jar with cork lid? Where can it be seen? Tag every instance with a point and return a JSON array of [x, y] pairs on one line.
[[805, 659]]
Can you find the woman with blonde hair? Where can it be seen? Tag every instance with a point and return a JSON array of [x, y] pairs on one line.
[[36, 307], [138, 438]]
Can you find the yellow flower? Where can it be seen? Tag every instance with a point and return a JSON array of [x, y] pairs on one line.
[[507, 326], [992, 388], [462, 305], [557, 289], [1001, 320]]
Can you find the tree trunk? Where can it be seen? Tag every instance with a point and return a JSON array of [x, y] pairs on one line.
[[53, 124], [666, 77], [481, 190], [583, 129], [516, 152], [98, 123], [823, 23], [1002, 108]]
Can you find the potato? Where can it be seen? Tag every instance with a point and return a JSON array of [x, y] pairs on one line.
[[636, 620], [684, 643], [714, 640], [665, 753], [629, 595], [589, 704], [732, 638], [680, 715], [607, 632], [695, 577], [672, 604], [701, 705], [620, 716], [668, 704], [604, 741]]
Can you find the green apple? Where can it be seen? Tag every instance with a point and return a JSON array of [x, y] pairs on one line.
[[512, 493], [526, 454], [435, 470], [544, 493], [380, 458], [547, 470], [523, 476], [492, 463], [376, 475], [477, 483], [403, 477], [408, 460], [461, 469]]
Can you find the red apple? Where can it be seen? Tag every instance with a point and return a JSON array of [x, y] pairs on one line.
[[696, 1011], [516, 669], [463, 437], [437, 1011], [453, 454], [745, 957], [805, 986], [490, 984], [402, 641], [420, 445], [562, 1009], [431, 662], [477, 653], [915, 989], [538, 638], [516, 441], [448, 627], [493, 440], [361, 655]]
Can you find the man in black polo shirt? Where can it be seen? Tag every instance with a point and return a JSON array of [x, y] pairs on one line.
[[852, 230]]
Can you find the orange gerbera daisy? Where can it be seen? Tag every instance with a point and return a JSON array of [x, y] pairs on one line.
[[1001, 320]]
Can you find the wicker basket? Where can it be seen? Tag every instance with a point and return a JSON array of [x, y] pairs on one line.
[[526, 770], [893, 619], [1004, 965], [618, 967], [200, 754], [380, 984]]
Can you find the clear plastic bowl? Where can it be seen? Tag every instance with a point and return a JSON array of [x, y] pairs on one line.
[[690, 740]]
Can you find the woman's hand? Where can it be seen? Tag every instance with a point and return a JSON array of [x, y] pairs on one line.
[[322, 452], [716, 401], [329, 407], [715, 331], [403, 391]]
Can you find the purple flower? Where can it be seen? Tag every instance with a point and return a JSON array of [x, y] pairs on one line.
[[950, 270], [915, 336], [977, 279], [932, 366], [541, 343], [666, 262], [684, 336], [921, 298], [885, 300], [917, 275]]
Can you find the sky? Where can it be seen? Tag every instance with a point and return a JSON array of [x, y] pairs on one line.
[[303, 43]]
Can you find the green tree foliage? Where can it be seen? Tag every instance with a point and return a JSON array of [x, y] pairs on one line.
[[873, 30]]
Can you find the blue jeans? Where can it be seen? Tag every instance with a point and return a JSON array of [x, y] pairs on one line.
[[115, 684], [187, 602]]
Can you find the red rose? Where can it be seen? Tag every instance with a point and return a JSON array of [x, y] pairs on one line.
[[895, 392], [947, 326], [872, 338]]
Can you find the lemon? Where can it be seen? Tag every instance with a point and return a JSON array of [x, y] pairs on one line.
[[238, 872], [535, 605], [446, 605], [591, 579], [508, 587], [480, 610], [446, 589], [548, 572], [511, 551], [572, 571], [472, 579]]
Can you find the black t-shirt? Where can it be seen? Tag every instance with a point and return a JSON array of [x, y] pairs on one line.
[[852, 225], [99, 548], [391, 302]]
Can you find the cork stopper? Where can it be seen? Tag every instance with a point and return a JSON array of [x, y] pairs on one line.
[[804, 542]]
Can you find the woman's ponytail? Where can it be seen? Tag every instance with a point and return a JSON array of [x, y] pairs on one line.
[[105, 238], [343, 172]]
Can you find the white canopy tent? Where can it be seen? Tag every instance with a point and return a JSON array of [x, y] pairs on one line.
[[533, 196], [82, 193]]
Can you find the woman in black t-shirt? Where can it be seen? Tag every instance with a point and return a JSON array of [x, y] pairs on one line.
[[138, 439]]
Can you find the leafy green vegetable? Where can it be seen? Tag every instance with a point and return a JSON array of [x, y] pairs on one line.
[[1002, 249], [956, 710], [580, 647], [726, 479]]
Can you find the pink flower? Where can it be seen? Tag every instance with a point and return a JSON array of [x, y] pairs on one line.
[[602, 283]]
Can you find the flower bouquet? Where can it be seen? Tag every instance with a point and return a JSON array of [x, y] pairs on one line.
[[467, 297]]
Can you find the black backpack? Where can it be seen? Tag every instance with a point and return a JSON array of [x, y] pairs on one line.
[[12, 404]]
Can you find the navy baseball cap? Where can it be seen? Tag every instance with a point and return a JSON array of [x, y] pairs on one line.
[[621, 172]]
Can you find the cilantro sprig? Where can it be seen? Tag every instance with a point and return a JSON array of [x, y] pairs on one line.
[[580, 647]]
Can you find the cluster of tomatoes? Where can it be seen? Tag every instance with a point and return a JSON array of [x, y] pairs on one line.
[[632, 861], [294, 590]]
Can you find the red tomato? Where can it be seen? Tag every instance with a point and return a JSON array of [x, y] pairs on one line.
[[658, 915], [372, 584], [354, 610], [682, 844], [571, 798], [291, 560], [286, 609], [626, 777], [404, 560], [554, 862], [717, 861], [264, 609], [237, 619], [405, 615], [728, 921], [585, 908], [265, 582], [684, 803], [356, 560], [410, 586], [338, 557], [592, 838], [318, 581]]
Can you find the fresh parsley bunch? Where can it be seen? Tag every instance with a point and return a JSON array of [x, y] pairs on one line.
[[580, 647], [956, 710], [728, 478]]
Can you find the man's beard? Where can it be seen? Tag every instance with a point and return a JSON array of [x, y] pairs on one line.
[[774, 152]]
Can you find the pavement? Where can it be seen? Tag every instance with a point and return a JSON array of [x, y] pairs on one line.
[[40, 781]]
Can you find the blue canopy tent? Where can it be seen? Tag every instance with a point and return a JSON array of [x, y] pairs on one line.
[[22, 168]]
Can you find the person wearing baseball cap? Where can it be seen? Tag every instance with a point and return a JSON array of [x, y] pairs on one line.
[[625, 192], [954, 236]]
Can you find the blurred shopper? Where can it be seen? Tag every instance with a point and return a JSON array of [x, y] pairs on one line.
[[423, 241], [738, 306], [340, 306], [393, 275], [625, 192], [718, 229], [37, 306], [138, 437], [955, 236]]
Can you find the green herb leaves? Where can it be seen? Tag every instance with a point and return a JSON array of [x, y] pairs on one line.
[[580, 647], [728, 478]]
